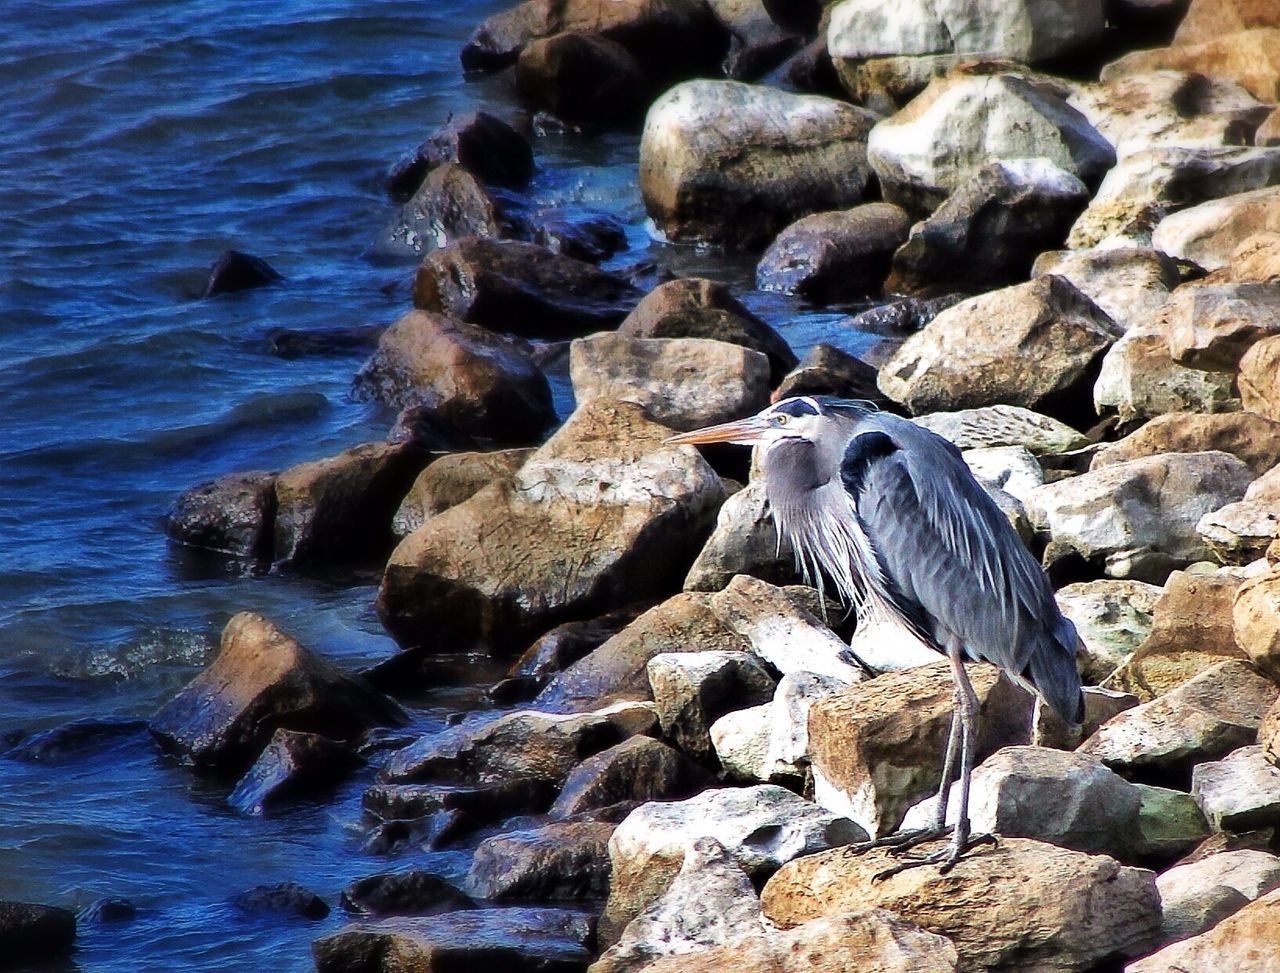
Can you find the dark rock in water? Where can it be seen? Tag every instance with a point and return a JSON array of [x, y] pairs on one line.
[[909, 314], [694, 307], [233, 515], [480, 804], [263, 680], [480, 383], [236, 271], [299, 342], [485, 145], [514, 689], [593, 237], [521, 288], [286, 897], [429, 832], [809, 71], [826, 370], [566, 644], [76, 739], [339, 509], [639, 769], [502, 940], [32, 933], [561, 860], [292, 764], [422, 427], [451, 203], [107, 910], [837, 255], [584, 79], [411, 893]]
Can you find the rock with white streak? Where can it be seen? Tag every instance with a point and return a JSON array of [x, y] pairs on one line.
[[691, 690], [1246, 942], [1240, 792], [1137, 519], [1126, 282], [1197, 895], [1209, 233], [1112, 618]]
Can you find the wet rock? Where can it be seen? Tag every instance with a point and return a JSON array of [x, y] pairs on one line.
[[760, 827], [826, 370], [1067, 799], [450, 204], [592, 237], [709, 168], [454, 479], [1208, 234], [1211, 326], [31, 933], [584, 79], [1245, 942], [1240, 792], [230, 515], [731, 381], [1250, 438], [566, 644], [1259, 378], [833, 256], [744, 541], [558, 861], [691, 690], [1140, 379], [1246, 57], [1123, 282], [422, 427], [603, 514], [1256, 622], [81, 738], [876, 748], [1206, 717], [1196, 896], [1112, 618], [438, 813], [106, 910], [694, 307], [235, 271], [903, 316], [638, 769], [292, 764], [412, 893], [987, 231], [959, 122], [288, 898], [529, 940], [481, 143], [339, 509], [757, 42], [1190, 631], [974, 354], [521, 288], [1003, 425], [263, 680], [1019, 906], [1137, 518]]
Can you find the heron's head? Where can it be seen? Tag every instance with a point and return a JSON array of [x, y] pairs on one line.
[[804, 418]]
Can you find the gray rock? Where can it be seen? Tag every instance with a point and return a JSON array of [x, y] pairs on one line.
[[638, 769], [1196, 896], [1112, 618], [232, 515], [412, 893], [744, 541], [1170, 823], [562, 860], [1126, 282], [691, 690], [1003, 425], [1239, 792]]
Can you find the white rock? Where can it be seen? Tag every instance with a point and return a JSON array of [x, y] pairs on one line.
[[1240, 532], [789, 718], [1111, 617], [1012, 469], [1209, 233], [1240, 792], [1193, 896], [741, 741], [885, 645]]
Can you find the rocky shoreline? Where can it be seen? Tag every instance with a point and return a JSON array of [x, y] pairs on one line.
[[1072, 214]]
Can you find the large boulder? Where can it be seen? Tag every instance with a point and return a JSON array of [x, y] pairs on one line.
[[729, 163], [876, 747], [1212, 326], [1255, 618], [1259, 378], [1023, 905], [1250, 438], [1207, 19], [976, 353], [1249, 58], [1246, 942], [453, 479], [744, 541], [988, 231], [583, 78], [1139, 378], [35, 934], [1195, 896], [828, 370], [478, 382], [964, 120], [604, 513], [558, 861], [521, 288], [1137, 519], [684, 383], [637, 769], [1208, 234], [263, 680]]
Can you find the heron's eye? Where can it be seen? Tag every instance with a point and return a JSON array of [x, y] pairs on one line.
[[781, 418]]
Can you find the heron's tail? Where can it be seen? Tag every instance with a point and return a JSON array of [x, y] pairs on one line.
[[1054, 672]]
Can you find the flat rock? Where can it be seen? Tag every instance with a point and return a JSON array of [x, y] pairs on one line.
[[293, 763], [974, 354], [744, 541], [1241, 792], [1256, 622], [760, 827], [1240, 533], [453, 479], [37, 934], [1112, 618], [410, 893], [637, 769], [729, 163], [1246, 942], [1196, 896], [1024, 905], [1003, 425], [231, 515], [876, 748], [561, 860], [263, 680], [521, 288], [1209, 233], [1137, 518], [1125, 282], [1249, 437], [656, 373]]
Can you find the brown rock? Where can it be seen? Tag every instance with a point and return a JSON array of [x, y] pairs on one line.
[[583, 78], [1268, 132], [1252, 438], [1259, 378], [877, 747], [1251, 58], [1023, 905], [340, 508], [482, 143], [1247, 942], [638, 769], [826, 370], [1125, 282], [1211, 326], [293, 763], [232, 515], [453, 479], [1208, 234], [1210, 19], [1140, 379], [261, 681], [451, 203], [1256, 619], [480, 383]]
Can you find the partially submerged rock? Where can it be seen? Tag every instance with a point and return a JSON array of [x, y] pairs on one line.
[[479, 141], [231, 515], [836, 255], [559, 861], [31, 933], [292, 763]]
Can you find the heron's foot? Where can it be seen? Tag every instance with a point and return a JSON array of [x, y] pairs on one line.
[[901, 841], [944, 858]]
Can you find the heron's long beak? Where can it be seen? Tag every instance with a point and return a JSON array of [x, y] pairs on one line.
[[745, 432]]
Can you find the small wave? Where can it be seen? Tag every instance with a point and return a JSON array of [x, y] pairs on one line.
[[159, 647]]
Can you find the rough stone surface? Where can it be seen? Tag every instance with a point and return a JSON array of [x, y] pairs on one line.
[[1248, 58], [231, 515], [724, 162], [1170, 823], [1246, 942], [976, 353], [1196, 896], [453, 479], [1023, 905], [1003, 425], [1140, 379], [1209, 233], [1259, 378], [1240, 792], [691, 690], [562, 860], [1269, 734], [827, 370], [684, 383], [744, 541], [449, 204], [1125, 282], [584, 79], [1137, 519], [1240, 532], [638, 769], [741, 741], [410, 893], [1112, 619], [263, 680], [1211, 326], [480, 142], [877, 747], [292, 763], [1255, 619], [1251, 438]]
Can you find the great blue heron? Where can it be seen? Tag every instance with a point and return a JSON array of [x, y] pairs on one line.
[[891, 514]]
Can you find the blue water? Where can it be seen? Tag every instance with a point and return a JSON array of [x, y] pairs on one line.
[[140, 139]]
